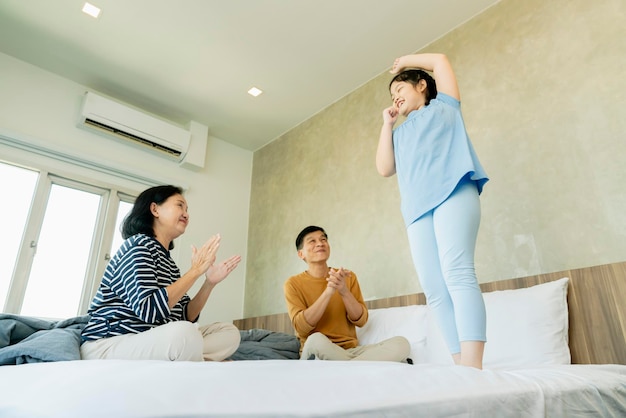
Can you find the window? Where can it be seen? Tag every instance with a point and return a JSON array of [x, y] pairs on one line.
[[59, 236], [123, 210], [18, 194]]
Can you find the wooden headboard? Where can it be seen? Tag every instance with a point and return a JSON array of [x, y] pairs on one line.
[[597, 311]]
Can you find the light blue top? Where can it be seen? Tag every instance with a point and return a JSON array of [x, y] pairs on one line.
[[433, 153]]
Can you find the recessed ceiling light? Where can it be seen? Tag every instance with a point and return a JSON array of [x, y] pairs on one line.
[[254, 91], [91, 10]]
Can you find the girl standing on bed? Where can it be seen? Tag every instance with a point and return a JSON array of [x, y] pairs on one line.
[[440, 179], [141, 309]]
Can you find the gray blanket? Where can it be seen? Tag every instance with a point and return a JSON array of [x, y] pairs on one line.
[[261, 344], [26, 339]]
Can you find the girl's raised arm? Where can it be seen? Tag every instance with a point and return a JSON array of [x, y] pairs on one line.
[[437, 64]]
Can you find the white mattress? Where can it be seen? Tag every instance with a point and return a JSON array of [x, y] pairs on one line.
[[292, 388]]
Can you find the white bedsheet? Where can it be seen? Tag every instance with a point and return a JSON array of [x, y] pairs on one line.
[[292, 388]]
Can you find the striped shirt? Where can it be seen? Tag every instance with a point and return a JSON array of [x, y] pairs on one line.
[[132, 296]]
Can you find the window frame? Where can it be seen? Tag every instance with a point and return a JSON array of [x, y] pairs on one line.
[[59, 167]]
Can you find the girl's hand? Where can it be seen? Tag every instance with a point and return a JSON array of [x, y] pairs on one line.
[[216, 274], [204, 257], [390, 115], [398, 66]]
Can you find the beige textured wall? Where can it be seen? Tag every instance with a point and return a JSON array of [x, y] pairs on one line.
[[543, 95]]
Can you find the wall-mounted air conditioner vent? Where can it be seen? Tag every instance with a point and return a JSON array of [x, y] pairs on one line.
[[125, 123]]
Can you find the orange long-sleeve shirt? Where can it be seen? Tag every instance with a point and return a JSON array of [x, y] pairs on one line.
[[302, 290]]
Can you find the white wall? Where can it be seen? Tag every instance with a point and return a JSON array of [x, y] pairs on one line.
[[43, 107]]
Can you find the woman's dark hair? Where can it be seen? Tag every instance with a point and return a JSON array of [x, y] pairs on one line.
[[140, 218], [306, 231], [413, 77]]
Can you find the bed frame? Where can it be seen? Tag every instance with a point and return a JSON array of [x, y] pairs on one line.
[[597, 311]]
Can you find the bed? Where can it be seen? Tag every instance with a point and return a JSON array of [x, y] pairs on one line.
[[556, 348]]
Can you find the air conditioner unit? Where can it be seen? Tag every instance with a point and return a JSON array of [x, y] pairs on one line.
[[123, 122]]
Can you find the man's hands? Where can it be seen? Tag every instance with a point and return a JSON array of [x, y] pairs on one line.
[[337, 280], [337, 283]]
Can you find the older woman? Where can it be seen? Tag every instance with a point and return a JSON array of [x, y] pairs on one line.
[[141, 309]]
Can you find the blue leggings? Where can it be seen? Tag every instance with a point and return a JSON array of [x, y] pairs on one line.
[[442, 246]]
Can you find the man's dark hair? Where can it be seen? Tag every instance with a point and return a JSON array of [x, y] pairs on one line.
[[306, 231]]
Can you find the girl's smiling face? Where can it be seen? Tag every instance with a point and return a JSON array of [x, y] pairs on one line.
[[407, 97]]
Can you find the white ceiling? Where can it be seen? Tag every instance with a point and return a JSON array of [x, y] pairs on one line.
[[196, 59]]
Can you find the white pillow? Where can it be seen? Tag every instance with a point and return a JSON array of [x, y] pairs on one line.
[[525, 327], [406, 321]]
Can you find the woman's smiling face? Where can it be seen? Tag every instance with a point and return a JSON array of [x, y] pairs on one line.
[[170, 217]]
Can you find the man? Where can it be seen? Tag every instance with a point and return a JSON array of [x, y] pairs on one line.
[[325, 304]]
